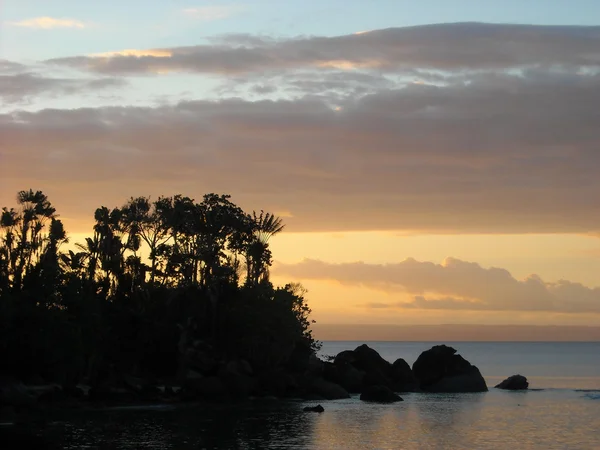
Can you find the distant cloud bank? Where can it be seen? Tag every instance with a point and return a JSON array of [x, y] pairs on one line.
[[47, 23], [438, 48], [452, 285]]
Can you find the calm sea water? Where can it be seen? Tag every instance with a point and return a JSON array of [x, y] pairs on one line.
[[564, 414]]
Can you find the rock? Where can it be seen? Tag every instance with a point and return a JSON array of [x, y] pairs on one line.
[[273, 382], [193, 375], [344, 374], [345, 357], [245, 368], [7, 413], [368, 359], [299, 359], [168, 391], [376, 377], [328, 390], [35, 380], [403, 376], [53, 395], [103, 393], [240, 367], [317, 409], [201, 358], [314, 397], [206, 388], [514, 383], [349, 377], [73, 391], [379, 394], [315, 365], [364, 367], [15, 393], [440, 369], [240, 386]]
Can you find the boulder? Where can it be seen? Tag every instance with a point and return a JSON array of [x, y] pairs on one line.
[[403, 377], [206, 388], [345, 357], [363, 366], [315, 365], [344, 374], [235, 376], [106, 393], [299, 360], [240, 386], [239, 366], [202, 359], [376, 377], [440, 369], [368, 359], [273, 383], [379, 394], [317, 409], [328, 390], [514, 383], [14, 393]]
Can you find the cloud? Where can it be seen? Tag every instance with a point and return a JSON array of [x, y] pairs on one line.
[[210, 13], [453, 285], [17, 87], [454, 128], [134, 53], [441, 47], [47, 23], [10, 66], [504, 153]]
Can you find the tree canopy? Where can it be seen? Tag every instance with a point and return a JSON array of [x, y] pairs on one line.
[[151, 271]]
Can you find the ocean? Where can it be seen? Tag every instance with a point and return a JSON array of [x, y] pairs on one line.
[[562, 411]]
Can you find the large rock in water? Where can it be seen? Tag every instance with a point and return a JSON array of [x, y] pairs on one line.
[[344, 374], [379, 394], [362, 367], [328, 390], [14, 393], [440, 369], [514, 383]]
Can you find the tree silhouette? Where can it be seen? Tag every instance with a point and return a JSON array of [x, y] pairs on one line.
[[115, 303], [258, 255]]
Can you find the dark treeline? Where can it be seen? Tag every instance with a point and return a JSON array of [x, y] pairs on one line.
[[154, 276]]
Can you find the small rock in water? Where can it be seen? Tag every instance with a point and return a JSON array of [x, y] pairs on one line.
[[318, 409], [514, 383]]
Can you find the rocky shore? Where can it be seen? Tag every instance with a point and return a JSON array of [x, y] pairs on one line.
[[208, 378]]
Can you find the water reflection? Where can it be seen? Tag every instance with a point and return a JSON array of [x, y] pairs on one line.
[[247, 426], [497, 419]]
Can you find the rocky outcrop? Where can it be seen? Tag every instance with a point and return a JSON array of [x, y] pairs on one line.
[[514, 383], [379, 394], [15, 394], [205, 375], [327, 389], [317, 409], [357, 369], [210, 388], [440, 369]]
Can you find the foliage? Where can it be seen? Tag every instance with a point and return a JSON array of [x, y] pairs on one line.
[[115, 303]]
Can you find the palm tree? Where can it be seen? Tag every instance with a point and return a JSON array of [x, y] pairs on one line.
[[28, 226], [258, 255], [150, 221]]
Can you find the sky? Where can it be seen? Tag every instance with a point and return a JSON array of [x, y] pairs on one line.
[[435, 162]]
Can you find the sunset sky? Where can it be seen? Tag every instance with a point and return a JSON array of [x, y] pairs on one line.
[[436, 162]]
